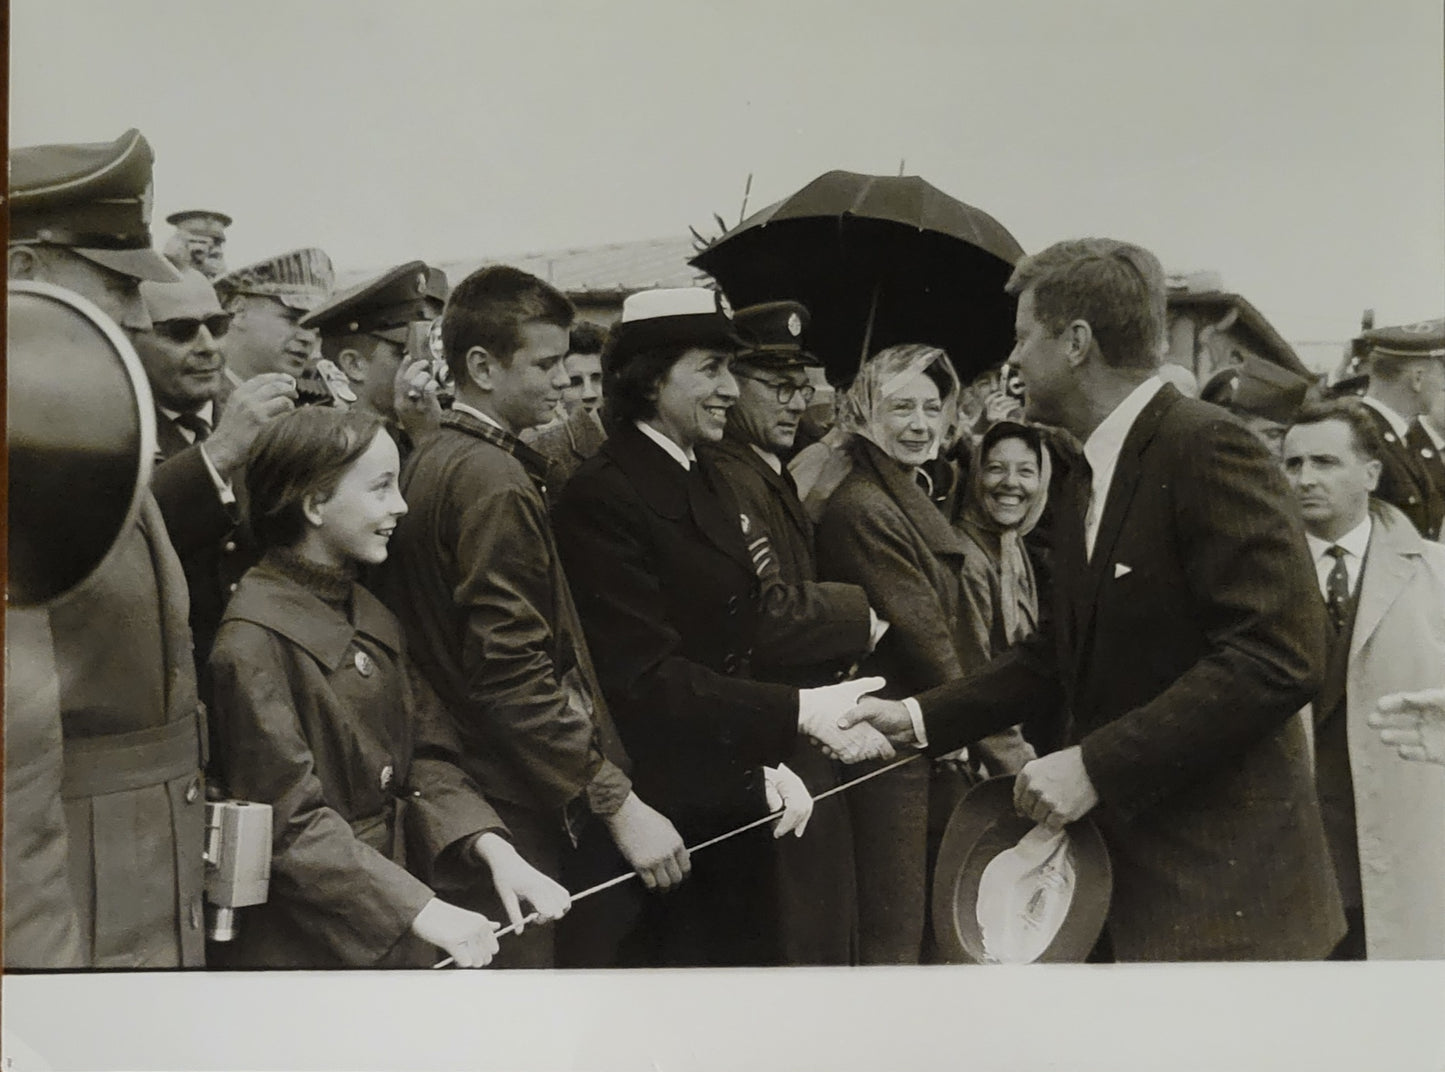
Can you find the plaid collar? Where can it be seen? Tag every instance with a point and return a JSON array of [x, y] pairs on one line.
[[534, 463]]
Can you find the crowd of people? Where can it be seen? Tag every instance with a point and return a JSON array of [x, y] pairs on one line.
[[492, 606]]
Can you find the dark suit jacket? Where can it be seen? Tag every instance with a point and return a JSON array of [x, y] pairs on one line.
[[669, 600], [207, 534], [1177, 659], [1405, 481], [809, 631]]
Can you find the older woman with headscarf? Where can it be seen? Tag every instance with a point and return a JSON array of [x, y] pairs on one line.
[[887, 527]]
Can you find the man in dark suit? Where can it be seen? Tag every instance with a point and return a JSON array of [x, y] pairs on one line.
[[201, 443], [1407, 373], [1186, 634]]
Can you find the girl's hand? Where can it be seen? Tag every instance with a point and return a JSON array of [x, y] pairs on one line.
[[468, 937], [516, 880]]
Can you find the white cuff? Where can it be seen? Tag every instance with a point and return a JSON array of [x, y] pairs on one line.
[[223, 487], [916, 714]]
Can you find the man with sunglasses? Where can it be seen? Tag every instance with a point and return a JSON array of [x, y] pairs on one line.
[[202, 442], [811, 632]]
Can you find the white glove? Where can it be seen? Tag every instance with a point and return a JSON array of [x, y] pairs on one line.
[[818, 713], [786, 791]]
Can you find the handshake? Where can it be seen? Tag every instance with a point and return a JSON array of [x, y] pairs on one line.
[[851, 726]]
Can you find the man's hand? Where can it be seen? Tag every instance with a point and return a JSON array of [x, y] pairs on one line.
[[252, 406], [1055, 790], [650, 843], [819, 712], [888, 717], [516, 880], [786, 790], [1413, 723], [414, 397]]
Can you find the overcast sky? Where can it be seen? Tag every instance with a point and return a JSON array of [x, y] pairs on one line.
[[1294, 147]]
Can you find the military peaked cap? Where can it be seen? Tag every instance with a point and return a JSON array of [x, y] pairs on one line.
[[384, 305], [772, 335], [301, 279]]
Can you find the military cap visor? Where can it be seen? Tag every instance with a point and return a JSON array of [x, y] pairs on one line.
[[772, 335], [301, 279], [384, 305], [1266, 390], [92, 198], [1423, 339]]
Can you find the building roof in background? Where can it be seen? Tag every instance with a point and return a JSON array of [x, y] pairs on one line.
[[599, 272], [611, 272]]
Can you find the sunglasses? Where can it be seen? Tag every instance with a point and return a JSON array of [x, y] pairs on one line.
[[184, 329]]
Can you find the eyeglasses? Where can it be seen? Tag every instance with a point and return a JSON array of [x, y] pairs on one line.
[[784, 390], [184, 329]]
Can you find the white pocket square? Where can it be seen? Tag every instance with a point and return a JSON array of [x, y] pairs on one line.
[[1120, 569]]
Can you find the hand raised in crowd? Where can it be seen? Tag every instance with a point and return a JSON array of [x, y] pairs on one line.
[[516, 880], [469, 938], [786, 790], [414, 396], [999, 405], [252, 405], [1413, 723], [1055, 789], [888, 717], [650, 843]]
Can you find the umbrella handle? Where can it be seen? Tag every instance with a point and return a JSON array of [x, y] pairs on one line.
[[868, 330]]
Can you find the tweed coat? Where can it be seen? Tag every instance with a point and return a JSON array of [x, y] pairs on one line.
[[1177, 658], [565, 447]]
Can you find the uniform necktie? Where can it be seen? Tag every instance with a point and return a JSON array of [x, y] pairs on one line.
[[195, 424], [1337, 587]]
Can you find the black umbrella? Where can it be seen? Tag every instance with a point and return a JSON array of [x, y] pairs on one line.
[[877, 260]]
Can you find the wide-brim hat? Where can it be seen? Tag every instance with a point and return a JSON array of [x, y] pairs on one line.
[[985, 824]]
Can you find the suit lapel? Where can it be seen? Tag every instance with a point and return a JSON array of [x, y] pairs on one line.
[[1390, 562]]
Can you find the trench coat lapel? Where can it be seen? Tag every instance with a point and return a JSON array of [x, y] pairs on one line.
[[1390, 562]]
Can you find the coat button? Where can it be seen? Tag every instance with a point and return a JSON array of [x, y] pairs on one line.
[[193, 790], [233, 586], [230, 547], [364, 665]]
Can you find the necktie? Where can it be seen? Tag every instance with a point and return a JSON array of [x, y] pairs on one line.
[[1337, 588], [195, 424]]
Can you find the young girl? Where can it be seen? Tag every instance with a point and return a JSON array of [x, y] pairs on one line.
[[319, 717]]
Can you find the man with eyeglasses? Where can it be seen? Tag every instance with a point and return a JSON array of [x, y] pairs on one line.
[[811, 632], [202, 441]]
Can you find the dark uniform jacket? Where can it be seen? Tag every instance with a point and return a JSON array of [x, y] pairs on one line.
[[1429, 457], [476, 581], [565, 447], [1405, 480], [1177, 658], [318, 717], [669, 597], [134, 805], [810, 632]]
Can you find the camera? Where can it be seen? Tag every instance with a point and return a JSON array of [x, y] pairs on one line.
[[238, 862]]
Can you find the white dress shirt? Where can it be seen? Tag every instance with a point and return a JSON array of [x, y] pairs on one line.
[[1355, 542], [1429, 430], [682, 457], [1102, 450], [207, 413], [771, 460]]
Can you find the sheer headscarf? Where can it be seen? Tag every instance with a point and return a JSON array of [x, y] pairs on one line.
[[1019, 601], [860, 410]]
